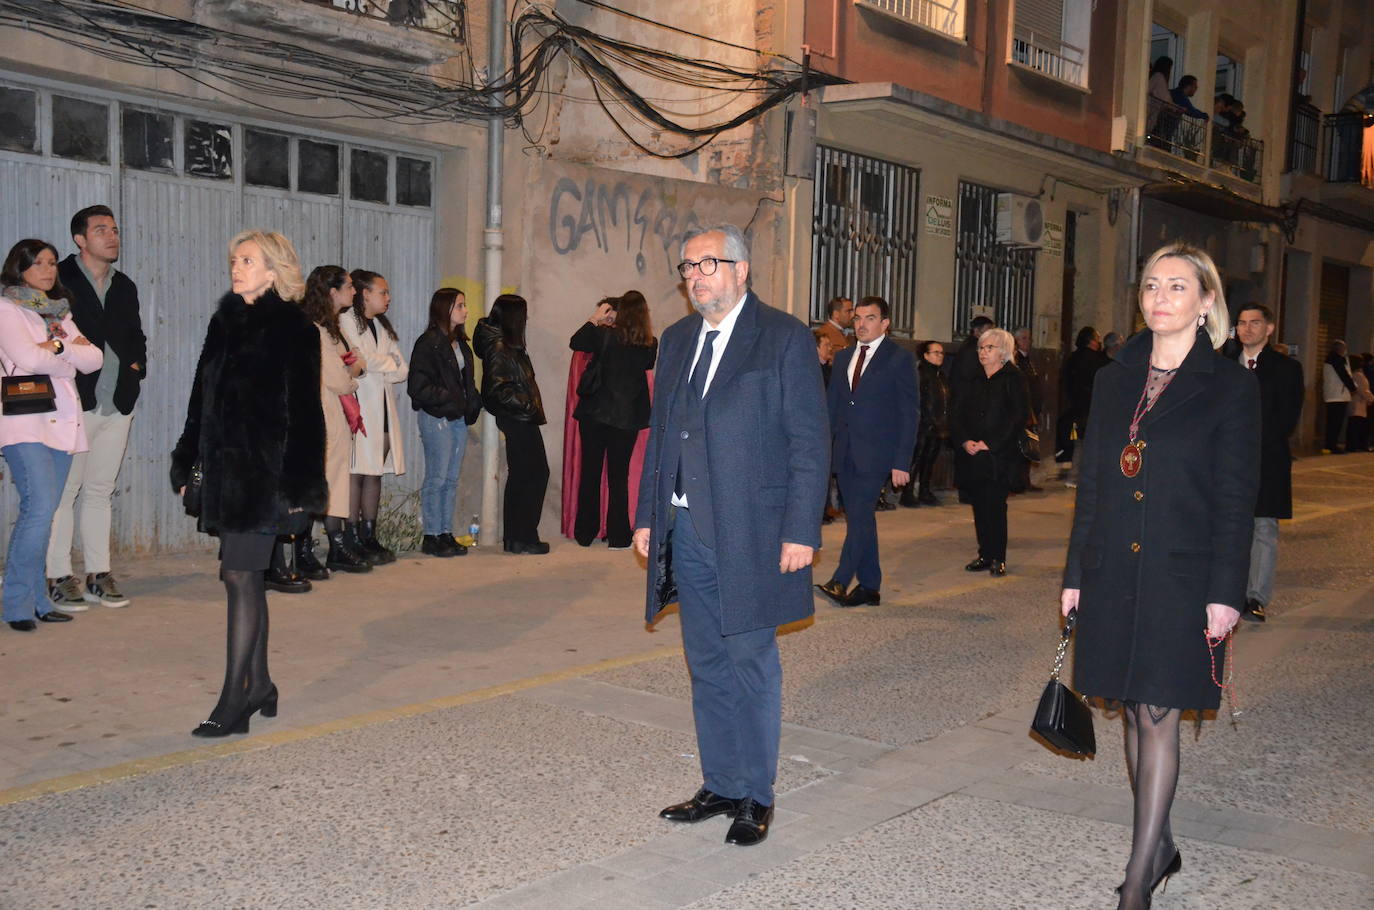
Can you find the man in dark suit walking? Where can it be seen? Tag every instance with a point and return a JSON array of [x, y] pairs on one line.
[[1281, 394], [729, 516], [875, 407]]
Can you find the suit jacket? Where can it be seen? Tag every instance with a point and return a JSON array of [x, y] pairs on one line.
[[1149, 552], [117, 324], [837, 337], [1281, 395], [874, 429], [767, 460]]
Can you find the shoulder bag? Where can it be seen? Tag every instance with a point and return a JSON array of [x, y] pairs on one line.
[[1063, 718], [26, 394]]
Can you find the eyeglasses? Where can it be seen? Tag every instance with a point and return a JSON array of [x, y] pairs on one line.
[[707, 267]]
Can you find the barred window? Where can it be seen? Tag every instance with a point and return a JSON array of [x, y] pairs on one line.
[[988, 273]]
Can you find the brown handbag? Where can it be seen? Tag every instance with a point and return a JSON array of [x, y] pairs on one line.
[[27, 395]]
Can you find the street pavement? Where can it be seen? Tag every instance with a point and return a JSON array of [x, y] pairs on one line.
[[500, 731]]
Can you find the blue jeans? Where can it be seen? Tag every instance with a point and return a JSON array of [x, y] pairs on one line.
[[444, 442], [39, 473]]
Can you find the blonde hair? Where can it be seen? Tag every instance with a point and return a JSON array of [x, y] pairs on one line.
[[1006, 345], [1218, 322], [279, 256]]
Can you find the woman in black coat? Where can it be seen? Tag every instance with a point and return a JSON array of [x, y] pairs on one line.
[[985, 425], [1160, 550], [934, 430], [611, 411], [510, 393], [255, 432], [441, 388]]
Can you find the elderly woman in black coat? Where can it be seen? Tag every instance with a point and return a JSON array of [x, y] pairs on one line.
[[255, 436], [985, 424], [1158, 559]]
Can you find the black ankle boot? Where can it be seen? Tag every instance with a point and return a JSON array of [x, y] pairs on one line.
[[353, 537], [367, 533], [281, 574], [306, 561], [343, 557]]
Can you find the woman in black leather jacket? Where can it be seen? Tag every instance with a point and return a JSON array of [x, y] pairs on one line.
[[610, 415], [441, 389], [510, 393], [934, 433]]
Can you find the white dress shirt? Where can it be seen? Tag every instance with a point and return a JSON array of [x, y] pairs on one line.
[[726, 329], [868, 358]]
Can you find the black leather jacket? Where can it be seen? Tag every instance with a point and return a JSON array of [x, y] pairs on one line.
[[437, 385], [623, 399], [508, 386], [934, 399]]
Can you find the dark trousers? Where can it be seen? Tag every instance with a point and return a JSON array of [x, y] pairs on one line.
[[1357, 434], [989, 501], [1335, 422], [602, 442], [736, 679], [527, 479], [859, 555], [927, 453]]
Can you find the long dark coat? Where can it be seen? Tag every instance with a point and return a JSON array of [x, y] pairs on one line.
[[1281, 395], [1149, 553], [767, 451], [993, 409], [254, 420]]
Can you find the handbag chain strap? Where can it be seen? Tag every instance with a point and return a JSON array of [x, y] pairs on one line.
[[1063, 644]]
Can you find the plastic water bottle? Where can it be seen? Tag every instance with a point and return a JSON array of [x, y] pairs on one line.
[[474, 528]]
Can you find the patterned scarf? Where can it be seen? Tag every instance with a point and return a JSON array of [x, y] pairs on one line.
[[52, 311]]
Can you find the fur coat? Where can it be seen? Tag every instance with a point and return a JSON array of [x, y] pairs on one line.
[[254, 420]]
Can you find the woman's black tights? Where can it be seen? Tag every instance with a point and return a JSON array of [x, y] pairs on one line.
[[365, 490], [1152, 760], [246, 680]]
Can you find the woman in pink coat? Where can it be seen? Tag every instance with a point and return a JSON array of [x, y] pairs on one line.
[[38, 338]]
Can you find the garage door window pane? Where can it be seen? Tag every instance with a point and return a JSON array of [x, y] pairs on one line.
[[413, 181], [318, 169], [209, 150], [80, 129], [367, 176], [147, 140], [266, 159], [19, 114]]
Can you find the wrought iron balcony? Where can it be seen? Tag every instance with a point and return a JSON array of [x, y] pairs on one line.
[[1170, 128], [946, 18], [1237, 154], [1051, 56], [1307, 138], [444, 17], [1346, 137]]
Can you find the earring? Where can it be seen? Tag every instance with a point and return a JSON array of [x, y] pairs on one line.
[[1202, 320]]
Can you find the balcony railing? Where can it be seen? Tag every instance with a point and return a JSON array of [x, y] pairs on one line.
[[1346, 136], [1050, 56], [1239, 155], [445, 17], [945, 17], [1307, 138], [1168, 127]]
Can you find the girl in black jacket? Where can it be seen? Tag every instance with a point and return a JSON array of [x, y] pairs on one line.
[[510, 393], [612, 411], [255, 432], [442, 390]]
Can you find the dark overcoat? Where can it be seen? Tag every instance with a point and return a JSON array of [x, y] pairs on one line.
[[767, 453], [254, 420], [874, 426], [1148, 553], [1281, 394], [994, 410]]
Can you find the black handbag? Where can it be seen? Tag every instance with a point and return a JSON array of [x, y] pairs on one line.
[[590, 383], [1029, 443], [1063, 719], [27, 395], [190, 497]]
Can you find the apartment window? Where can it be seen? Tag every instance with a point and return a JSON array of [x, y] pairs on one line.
[[317, 167], [942, 17], [988, 273], [367, 176], [1052, 36], [1167, 43], [266, 159], [209, 150], [414, 181], [19, 114], [864, 223], [1229, 71], [80, 129], [146, 140]]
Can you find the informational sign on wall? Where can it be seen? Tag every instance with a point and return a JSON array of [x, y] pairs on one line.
[[939, 215], [1053, 242]]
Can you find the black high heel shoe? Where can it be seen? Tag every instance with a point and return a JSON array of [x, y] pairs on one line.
[[1175, 864], [214, 729], [267, 705]]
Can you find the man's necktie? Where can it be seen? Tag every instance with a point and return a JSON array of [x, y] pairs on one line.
[[1252, 363], [703, 367], [859, 368]]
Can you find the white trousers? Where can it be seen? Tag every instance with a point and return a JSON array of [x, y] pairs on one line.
[[93, 477]]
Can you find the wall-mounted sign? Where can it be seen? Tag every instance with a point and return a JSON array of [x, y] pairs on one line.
[[939, 216], [1053, 241]]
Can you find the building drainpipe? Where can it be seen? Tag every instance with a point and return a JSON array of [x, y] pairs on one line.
[[493, 241]]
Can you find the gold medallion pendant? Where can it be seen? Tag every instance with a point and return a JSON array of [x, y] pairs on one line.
[[1132, 457]]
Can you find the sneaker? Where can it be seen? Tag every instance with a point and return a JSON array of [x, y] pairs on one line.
[[66, 592], [101, 589]]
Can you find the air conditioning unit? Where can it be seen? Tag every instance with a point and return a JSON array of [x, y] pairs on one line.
[[1020, 220]]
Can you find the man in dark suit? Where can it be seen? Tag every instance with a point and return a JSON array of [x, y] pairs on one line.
[[1281, 395], [729, 516], [874, 407]]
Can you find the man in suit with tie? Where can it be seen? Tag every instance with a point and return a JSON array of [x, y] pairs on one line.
[[875, 406], [1281, 394], [729, 516]]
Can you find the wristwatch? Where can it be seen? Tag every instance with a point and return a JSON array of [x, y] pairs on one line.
[[60, 346]]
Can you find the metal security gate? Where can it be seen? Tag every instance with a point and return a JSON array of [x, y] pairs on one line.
[[864, 228], [988, 273]]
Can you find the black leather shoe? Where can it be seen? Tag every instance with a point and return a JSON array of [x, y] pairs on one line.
[[908, 499], [997, 568], [1253, 612], [928, 500], [978, 565], [343, 557], [834, 590], [23, 625], [54, 616], [750, 825], [307, 563], [433, 545], [861, 596], [367, 536], [884, 506], [704, 804], [537, 548], [453, 545]]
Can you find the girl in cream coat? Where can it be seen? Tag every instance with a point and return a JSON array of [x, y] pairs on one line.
[[381, 451]]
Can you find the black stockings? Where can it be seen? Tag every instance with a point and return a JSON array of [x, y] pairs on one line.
[[1152, 759], [364, 497], [333, 525], [246, 680]]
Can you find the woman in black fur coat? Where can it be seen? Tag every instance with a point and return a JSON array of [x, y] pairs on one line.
[[255, 429]]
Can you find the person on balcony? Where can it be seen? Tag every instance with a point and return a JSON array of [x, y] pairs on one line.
[[1182, 96]]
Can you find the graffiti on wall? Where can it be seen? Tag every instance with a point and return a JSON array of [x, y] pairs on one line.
[[615, 219]]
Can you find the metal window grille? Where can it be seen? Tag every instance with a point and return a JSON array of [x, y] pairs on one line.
[[987, 273], [864, 223]]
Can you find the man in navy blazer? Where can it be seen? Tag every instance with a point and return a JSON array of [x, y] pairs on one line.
[[875, 407], [729, 516]]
